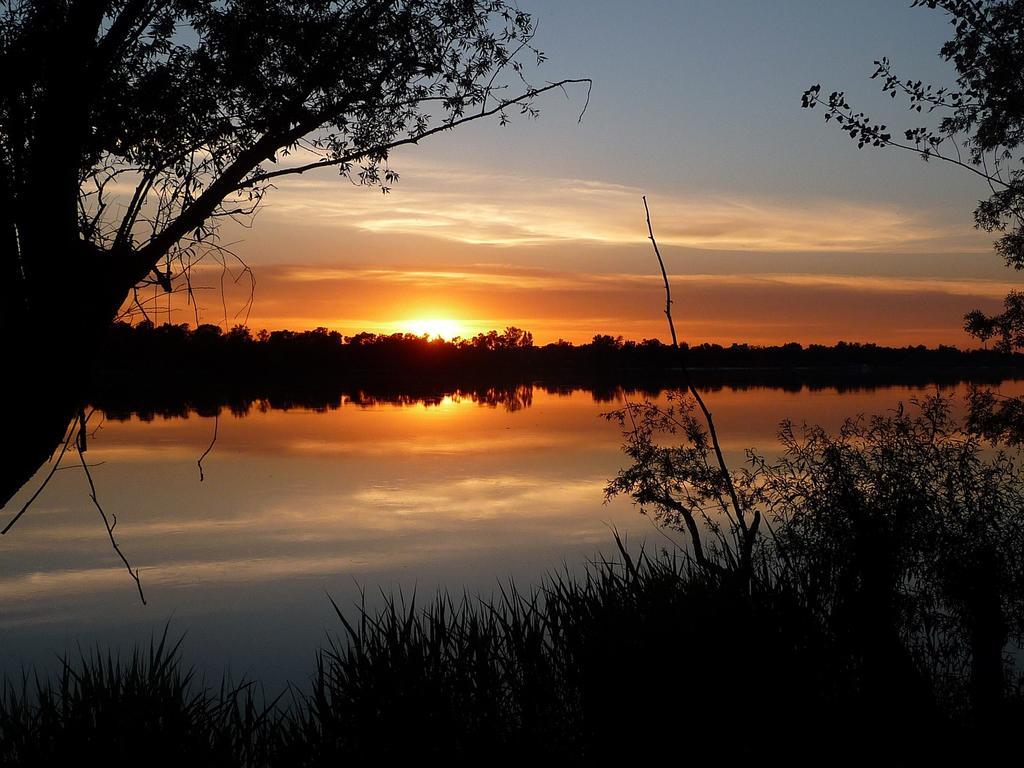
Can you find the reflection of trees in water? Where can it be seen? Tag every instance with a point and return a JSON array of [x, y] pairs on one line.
[[512, 399], [511, 396], [167, 406]]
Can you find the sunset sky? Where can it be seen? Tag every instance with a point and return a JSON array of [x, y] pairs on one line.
[[774, 226]]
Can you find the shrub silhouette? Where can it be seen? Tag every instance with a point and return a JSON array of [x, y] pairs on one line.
[[901, 534]]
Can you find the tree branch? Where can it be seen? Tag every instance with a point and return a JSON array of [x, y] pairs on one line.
[[353, 156], [106, 523], [749, 532]]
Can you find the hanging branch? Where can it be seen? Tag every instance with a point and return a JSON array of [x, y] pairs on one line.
[[213, 441], [106, 522], [70, 434], [749, 530]]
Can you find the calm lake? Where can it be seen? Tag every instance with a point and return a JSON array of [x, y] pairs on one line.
[[459, 492]]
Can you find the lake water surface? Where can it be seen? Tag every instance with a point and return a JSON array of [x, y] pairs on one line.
[[459, 492]]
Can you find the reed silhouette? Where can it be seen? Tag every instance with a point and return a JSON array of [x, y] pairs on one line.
[[644, 655]]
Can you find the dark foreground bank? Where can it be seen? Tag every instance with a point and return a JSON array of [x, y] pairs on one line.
[[641, 657]]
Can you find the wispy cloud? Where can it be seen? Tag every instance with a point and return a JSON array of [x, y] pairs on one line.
[[481, 277], [507, 210], [499, 276]]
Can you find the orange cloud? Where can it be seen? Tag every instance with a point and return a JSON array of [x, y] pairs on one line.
[[757, 308]]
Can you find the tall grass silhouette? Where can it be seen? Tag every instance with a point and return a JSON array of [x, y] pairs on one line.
[[583, 666], [641, 655]]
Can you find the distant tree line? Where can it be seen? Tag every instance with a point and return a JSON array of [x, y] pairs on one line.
[[170, 370], [178, 349]]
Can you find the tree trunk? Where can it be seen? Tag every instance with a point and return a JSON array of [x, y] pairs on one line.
[[988, 635], [50, 326], [37, 418]]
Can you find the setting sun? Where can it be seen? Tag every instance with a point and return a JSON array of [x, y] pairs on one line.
[[435, 327]]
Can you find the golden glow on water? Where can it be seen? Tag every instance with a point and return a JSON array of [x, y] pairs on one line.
[[462, 491], [300, 494]]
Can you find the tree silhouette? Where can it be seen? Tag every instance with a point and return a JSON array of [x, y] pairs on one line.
[[130, 128], [979, 127]]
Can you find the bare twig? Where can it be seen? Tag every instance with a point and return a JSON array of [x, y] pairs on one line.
[[106, 523], [78, 435], [748, 531], [216, 422]]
